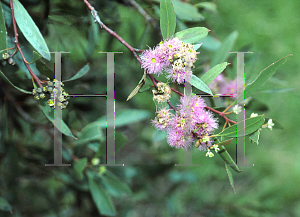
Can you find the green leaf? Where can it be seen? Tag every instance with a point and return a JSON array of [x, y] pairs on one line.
[[228, 159], [35, 56], [197, 46], [192, 35], [254, 137], [167, 19], [222, 54], [227, 142], [3, 44], [80, 73], [4, 205], [251, 125], [114, 186], [120, 140], [93, 36], [211, 74], [49, 113], [230, 177], [186, 11], [100, 197], [30, 30], [199, 84], [262, 77], [44, 69], [207, 6], [125, 117], [90, 133], [138, 87], [8, 81], [282, 90], [79, 166], [146, 86]]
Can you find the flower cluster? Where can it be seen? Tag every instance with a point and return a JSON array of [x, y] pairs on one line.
[[173, 56], [49, 90], [163, 92], [190, 123]]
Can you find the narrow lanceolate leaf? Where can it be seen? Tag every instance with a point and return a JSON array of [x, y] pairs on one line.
[[30, 30], [228, 159], [49, 113], [237, 130], [3, 44], [8, 81], [199, 84], [192, 35], [211, 74], [138, 87], [35, 56], [186, 11], [222, 54], [44, 69], [263, 76], [100, 197], [167, 19], [230, 177], [225, 142], [254, 137], [80, 73]]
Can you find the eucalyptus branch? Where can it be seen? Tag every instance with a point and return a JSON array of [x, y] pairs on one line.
[[135, 51], [18, 45]]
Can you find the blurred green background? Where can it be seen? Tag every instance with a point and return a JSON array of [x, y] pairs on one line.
[[270, 29]]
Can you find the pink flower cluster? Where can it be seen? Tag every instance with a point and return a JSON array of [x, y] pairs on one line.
[[173, 56], [191, 122]]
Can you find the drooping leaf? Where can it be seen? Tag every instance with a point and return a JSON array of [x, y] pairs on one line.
[[199, 84], [79, 166], [230, 177], [80, 73], [49, 113], [186, 11], [207, 6], [9, 82], [226, 142], [100, 197], [30, 30], [4, 205], [3, 44], [192, 35], [138, 87], [114, 186], [93, 36], [44, 69], [228, 159], [167, 19], [254, 137], [237, 130], [211, 74], [262, 77], [222, 54]]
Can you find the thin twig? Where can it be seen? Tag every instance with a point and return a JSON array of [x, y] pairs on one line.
[[18, 45]]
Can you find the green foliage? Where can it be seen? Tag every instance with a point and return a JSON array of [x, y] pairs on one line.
[[228, 159], [30, 30], [211, 74], [192, 35], [2, 31], [44, 69], [186, 11], [238, 130], [85, 69], [167, 19], [200, 85]]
